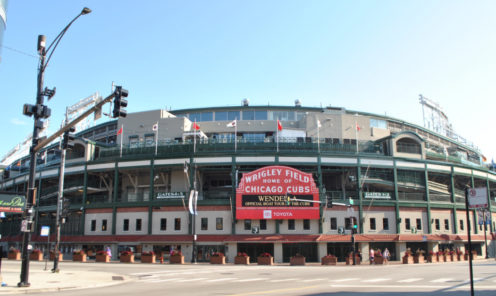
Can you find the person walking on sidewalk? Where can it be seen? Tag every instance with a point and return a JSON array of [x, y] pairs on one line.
[[371, 256]]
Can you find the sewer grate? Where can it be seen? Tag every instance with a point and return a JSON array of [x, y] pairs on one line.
[[117, 278]]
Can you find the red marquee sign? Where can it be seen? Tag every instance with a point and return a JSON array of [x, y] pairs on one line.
[[263, 194]]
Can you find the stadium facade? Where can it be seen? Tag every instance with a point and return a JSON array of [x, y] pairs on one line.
[[265, 177]]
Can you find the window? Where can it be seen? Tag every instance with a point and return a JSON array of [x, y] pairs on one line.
[[93, 225], [446, 224], [378, 123], [138, 224], [204, 224], [306, 224], [347, 223], [385, 223], [260, 115], [419, 224], [407, 223], [194, 117], [177, 224], [334, 223], [231, 115], [461, 225], [219, 223], [163, 224], [125, 226], [247, 224], [221, 116], [263, 224], [291, 224], [149, 140], [248, 115], [438, 225], [104, 225], [207, 116], [372, 224]]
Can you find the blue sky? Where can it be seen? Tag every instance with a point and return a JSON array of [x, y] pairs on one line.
[[374, 56]]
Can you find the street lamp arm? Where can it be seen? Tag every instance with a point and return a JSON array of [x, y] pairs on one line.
[[57, 39]]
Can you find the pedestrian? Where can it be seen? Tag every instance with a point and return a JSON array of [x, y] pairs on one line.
[[386, 254], [371, 256], [108, 251]]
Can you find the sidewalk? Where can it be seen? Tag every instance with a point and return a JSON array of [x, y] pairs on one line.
[[42, 280]]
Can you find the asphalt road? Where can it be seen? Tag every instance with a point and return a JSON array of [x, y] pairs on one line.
[[445, 279]]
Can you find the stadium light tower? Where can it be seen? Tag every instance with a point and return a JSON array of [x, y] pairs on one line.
[[39, 112]]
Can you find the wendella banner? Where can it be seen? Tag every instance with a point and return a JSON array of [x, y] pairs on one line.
[[263, 194]]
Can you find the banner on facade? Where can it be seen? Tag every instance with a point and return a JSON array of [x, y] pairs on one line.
[[277, 192], [477, 197], [377, 195], [170, 195], [12, 202]]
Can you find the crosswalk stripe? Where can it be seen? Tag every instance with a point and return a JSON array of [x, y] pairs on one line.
[[410, 280]]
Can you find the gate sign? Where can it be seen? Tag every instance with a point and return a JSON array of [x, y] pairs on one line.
[[277, 192], [477, 197], [12, 202]]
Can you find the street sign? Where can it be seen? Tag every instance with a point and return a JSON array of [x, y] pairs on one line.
[[477, 197]]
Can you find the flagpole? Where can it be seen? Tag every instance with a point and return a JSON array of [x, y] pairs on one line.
[[194, 137], [318, 136], [277, 136], [122, 127], [156, 140], [356, 136], [235, 134]]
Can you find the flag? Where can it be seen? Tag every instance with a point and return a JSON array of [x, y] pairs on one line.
[[357, 127], [18, 163], [279, 125], [196, 126], [319, 125], [155, 127], [232, 123], [193, 196], [119, 131]]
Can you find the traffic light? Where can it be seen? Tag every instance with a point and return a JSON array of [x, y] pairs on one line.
[[119, 102], [355, 225], [68, 139], [66, 203]]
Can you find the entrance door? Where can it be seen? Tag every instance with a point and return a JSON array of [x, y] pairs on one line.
[[307, 250], [340, 250], [254, 250]]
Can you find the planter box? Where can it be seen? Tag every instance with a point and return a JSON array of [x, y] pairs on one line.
[[102, 258], [218, 260], [459, 257], [176, 259], [127, 258], [148, 258], [297, 260], [432, 259], [447, 258], [52, 256], [15, 255], [379, 260], [329, 260], [79, 257], [407, 259], [265, 260], [242, 260], [38, 256], [418, 259]]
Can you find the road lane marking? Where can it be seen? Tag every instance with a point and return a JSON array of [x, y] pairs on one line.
[[250, 280], [441, 280], [191, 280], [221, 280], [376, 280], [410, 280], [278, 291], [313, 280], [282, 280], [345, 280], [162, 280]]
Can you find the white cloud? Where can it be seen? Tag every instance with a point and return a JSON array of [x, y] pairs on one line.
[[17, 121]]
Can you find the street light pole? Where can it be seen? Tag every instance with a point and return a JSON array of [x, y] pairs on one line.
[[39, 112]]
